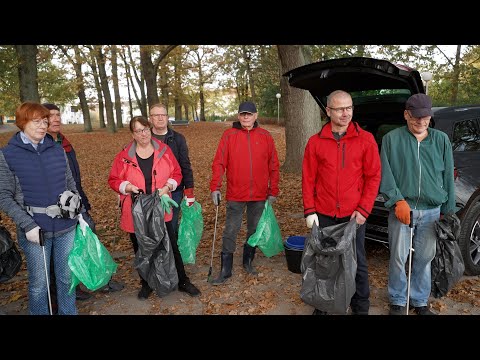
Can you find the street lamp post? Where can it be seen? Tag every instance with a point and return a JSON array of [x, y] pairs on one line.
[[278, 107], [426, 76]]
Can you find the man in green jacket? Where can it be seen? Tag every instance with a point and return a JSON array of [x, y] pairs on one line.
[[417, 176]]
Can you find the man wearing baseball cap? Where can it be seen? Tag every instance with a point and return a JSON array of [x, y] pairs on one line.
[[248, 155], [417, 177]]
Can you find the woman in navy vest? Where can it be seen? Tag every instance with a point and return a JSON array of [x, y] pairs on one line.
[[33, 173]]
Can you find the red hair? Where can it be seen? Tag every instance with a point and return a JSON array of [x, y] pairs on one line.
[[28, 111]]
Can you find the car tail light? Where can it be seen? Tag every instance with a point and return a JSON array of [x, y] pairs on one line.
[[455, 173]]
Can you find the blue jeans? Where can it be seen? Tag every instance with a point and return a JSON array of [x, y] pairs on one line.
[[424, 243], [177, 196], [59, 247]]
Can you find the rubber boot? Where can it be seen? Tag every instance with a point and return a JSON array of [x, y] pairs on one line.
[[248, 255], [227, 262], [145, 291]]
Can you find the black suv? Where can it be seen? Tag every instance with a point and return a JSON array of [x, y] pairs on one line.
[[379, 90]]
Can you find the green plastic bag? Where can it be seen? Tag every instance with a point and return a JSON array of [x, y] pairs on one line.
[[190, 231], [89, 261], [267, 237]]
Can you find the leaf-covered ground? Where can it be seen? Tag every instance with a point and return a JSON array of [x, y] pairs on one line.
[[274, 291]]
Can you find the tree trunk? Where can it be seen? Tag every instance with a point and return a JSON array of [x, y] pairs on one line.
[[200, 93], [77, 65], [163, 84], [98, 88], [185, 106], [142, 101], [149, 74], [251, 82], [456, 76], [27, 72], [130, 82], [105, 89], [177, 89], [301, 112], [116, 90]]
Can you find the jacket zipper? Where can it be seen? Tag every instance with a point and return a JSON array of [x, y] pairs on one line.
[[338, 176], [419, 173]]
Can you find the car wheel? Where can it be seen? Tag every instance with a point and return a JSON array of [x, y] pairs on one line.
[[470, 240]]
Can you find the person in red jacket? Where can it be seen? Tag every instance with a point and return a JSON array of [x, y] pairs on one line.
[[340, 181], [149, 165], [248, 155]]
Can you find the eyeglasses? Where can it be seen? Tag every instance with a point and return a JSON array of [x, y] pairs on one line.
[[39, 122], [246, 114], [158, 115], [414, 119], [145, 130], [340, 110]]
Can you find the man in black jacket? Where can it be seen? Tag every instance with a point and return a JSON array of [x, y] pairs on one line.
[[160, 130]]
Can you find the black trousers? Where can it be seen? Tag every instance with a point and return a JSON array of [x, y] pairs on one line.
[[182, 276], [360, 300]]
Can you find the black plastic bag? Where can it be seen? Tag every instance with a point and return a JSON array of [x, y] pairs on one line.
[[10, 258], [447, 266], [154, 259], [329, 267]]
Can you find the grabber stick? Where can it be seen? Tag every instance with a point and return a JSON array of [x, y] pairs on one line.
[[410, 255], [42, 244], [214, 236]]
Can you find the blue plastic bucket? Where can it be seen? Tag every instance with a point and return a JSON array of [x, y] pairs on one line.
[[293, 252], [296, 242]]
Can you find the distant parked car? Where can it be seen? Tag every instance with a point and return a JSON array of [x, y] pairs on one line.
[[379, 91]]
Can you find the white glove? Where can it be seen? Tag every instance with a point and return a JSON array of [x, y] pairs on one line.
[[189, 201], [34, 235], [271, 199], [310, 219], [216, 197]]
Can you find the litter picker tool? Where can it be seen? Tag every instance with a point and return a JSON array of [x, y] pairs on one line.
[[214, 236], [410, 255], [42, 244]]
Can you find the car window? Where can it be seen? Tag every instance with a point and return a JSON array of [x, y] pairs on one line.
[[466, 135]]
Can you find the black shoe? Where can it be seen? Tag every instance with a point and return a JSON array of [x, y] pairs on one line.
[[82, 295], [189, 288], [112, 286], [423, 310], [144, 292], [359, 312], [397, 310], [319, 312]]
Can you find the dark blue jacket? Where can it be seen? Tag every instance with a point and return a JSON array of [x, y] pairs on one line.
[[42, 176], [178, 144]]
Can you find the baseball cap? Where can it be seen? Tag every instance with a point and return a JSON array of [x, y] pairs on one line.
[[419, 105], [248, 107]]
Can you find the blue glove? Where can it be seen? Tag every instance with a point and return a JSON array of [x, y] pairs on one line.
[[167, 202]]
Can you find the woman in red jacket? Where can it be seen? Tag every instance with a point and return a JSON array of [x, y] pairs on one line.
[[149, 165]]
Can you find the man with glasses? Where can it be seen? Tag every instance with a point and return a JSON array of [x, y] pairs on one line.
[[54, 129], [248, 155], [417, 176], [177, 142], [340, 180]]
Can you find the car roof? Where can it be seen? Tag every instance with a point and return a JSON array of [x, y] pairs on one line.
[[446, 118], [355, 74]]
